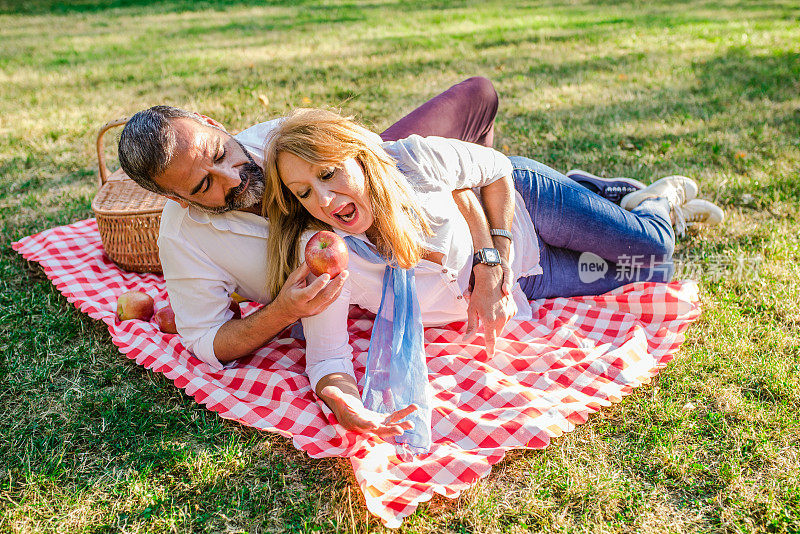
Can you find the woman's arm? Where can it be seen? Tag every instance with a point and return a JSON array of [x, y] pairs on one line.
[[330, 370], [340, 393]]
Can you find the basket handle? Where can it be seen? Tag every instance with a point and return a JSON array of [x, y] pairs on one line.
[[101, 157]]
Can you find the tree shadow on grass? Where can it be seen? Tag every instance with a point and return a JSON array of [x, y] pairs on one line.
[[68, 7], [84, 424], [741, 74], [720, 97]]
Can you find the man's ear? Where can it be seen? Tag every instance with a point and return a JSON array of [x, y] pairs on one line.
[[212, 122], [179, 200]]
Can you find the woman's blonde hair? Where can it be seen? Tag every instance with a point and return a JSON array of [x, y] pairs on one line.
[[322, 137]]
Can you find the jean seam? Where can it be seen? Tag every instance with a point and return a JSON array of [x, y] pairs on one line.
[[574, 186]]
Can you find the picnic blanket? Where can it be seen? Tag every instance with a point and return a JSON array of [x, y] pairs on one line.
[[548, 375]]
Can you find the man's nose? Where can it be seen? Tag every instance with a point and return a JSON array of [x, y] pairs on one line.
[[231, 177]]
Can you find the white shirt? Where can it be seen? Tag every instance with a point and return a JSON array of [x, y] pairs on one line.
[[206, 257], [434, 167]]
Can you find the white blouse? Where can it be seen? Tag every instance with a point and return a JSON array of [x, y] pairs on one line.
[[434, 168]]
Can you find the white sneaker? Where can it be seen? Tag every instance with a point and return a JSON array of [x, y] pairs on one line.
[[676, 189], [699, 211]]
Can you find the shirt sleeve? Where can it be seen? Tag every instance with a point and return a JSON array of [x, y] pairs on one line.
[[327, 341], [199, 293], [453, 163]]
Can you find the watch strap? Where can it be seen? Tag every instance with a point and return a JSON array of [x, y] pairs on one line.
[[501, 232], [481, 257]]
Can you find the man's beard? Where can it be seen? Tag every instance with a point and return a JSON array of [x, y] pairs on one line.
[[245, 195]]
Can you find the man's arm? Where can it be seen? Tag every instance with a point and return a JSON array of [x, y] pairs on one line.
[[499, 200], [491, 303], [497, 212], [297, 299], [200, 293]]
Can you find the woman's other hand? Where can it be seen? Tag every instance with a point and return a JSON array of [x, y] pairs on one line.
[[491, 303], [352, 415]]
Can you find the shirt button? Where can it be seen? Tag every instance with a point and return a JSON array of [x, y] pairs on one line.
[[444, 271], [459, 297]]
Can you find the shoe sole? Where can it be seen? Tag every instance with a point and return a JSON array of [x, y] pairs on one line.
[[604, 183], [577, 174]]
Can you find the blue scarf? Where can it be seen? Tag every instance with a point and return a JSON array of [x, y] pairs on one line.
[[397, 373]]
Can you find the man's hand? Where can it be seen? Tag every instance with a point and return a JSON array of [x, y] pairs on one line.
[[296, 299], [491, 303], [351, 414], [302, 299]]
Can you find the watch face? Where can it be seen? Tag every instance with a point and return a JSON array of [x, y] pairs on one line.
[[491, 256]]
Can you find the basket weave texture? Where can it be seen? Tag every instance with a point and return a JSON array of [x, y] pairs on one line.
[[127, 216]]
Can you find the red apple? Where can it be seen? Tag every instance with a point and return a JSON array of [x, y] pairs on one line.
[[134, 305], [326, 252], [165, 320]]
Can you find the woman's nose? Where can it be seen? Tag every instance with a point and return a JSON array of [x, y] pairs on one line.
[[325, 197]]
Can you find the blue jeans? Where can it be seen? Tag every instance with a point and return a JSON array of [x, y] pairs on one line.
[[588, 245]]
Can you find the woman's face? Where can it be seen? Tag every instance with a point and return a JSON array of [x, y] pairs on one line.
[[335, 195]]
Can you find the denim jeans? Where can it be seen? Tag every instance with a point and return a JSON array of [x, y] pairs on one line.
[[587, 244]]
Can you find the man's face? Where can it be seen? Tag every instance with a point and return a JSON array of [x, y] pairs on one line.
[[211, 170]]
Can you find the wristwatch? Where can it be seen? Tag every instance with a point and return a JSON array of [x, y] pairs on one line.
[[487, 256]]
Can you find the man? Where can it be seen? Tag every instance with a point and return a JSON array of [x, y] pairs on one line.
[[212, 238]]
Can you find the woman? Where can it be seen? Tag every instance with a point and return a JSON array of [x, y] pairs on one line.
[[394, 200]]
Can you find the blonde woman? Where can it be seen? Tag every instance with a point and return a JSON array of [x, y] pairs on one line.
[[394, 203]]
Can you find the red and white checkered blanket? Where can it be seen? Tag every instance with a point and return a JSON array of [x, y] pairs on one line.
[[548, 375]]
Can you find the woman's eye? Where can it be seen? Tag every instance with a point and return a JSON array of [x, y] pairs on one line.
[[327, 175], [303, 194]]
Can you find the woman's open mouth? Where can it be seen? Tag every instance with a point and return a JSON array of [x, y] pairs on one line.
[[347, 213]]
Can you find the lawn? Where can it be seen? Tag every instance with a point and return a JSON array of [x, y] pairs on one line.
[[89, 442]]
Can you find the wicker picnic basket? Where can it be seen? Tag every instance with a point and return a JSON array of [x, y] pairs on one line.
[[127, 216]]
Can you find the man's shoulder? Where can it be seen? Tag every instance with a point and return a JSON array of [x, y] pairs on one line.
[[253, 137], [179, 224], [200, 227], [173, 219]]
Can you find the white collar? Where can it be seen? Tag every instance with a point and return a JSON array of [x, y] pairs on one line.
[[238, 222]]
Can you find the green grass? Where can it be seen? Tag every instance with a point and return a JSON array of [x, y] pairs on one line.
[[89, 442]]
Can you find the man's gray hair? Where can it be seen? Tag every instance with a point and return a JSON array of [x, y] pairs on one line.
[[148, 143]]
